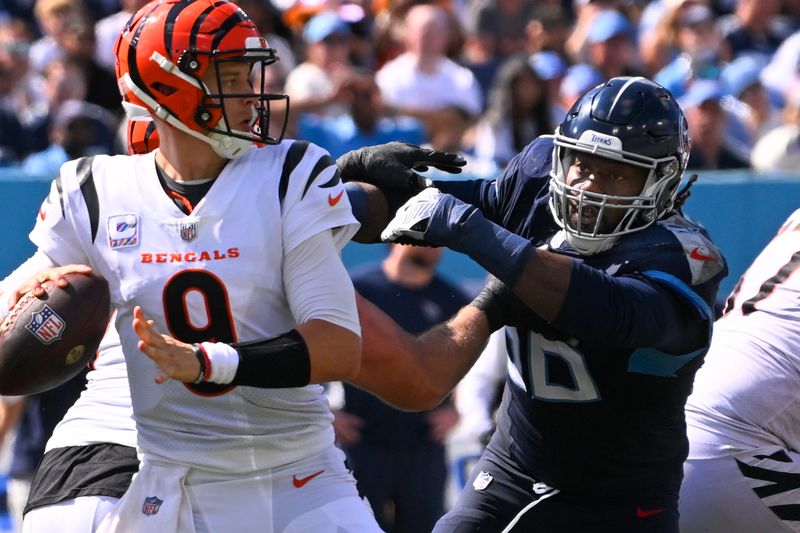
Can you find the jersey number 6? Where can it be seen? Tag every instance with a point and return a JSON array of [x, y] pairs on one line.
[[550, 370]]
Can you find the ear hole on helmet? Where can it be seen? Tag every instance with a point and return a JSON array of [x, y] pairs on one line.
[[203, 116], [163, 88], [188, 63], [667, 169]]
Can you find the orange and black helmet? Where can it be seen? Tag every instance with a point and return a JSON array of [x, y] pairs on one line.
[[165, 51], [142, 135]]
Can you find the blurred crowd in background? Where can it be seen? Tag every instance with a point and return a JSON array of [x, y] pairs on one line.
[[483, 77]]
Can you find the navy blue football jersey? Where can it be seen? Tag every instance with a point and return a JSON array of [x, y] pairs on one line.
[[595, 403]]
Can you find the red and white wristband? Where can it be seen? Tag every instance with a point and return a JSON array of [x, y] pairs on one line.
[[218, 362]]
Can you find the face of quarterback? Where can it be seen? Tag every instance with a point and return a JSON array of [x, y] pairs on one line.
[[593, 174], [234, 78]]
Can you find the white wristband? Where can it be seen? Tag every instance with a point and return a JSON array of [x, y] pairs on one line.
[[224, 362]]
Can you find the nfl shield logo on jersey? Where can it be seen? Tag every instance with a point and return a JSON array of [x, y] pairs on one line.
[[46, 325], [188, 230], [185, 227], [482, 481], [151, 505]]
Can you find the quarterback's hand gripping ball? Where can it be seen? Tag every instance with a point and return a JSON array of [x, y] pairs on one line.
[[46, 340]]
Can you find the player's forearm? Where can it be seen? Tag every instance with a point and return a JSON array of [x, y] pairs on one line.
[[416, 373], [334, 351], [452, 348]]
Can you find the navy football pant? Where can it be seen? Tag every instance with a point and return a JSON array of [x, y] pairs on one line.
[[506, 500]]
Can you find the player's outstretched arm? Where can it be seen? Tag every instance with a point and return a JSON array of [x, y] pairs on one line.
[[417, 373], [393, 165], [314, 352], [381, 178], [539, 278]]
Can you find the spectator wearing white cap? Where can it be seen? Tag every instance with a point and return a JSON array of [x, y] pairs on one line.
[[779, 150], [316, 85]]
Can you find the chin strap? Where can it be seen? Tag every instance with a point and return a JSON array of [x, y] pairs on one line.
[[586, 246], [224, 146]]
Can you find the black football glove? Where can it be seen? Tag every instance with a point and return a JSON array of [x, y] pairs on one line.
[[392, 165]]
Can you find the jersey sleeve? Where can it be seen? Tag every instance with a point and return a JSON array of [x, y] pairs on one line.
[[317, 284], [514, 199], [315, 200], [63, 213]]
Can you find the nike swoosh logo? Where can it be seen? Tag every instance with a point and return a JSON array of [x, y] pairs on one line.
[[333, 200], [695, 254], [300, 481], [646, 513]]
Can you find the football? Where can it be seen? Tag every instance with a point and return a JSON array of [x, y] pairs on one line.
[[46, 341]]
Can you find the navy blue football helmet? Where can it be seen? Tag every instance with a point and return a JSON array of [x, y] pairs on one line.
[[631, 120]]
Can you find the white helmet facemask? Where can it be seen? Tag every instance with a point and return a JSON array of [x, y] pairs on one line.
[[569, 204]]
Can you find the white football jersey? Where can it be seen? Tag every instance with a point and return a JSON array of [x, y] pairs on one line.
[[216, 274], [103, 411], [747, 394]]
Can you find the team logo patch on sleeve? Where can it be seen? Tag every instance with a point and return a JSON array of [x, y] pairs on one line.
[[482, 481], [46, 325], [151, 505], [123, 231]]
